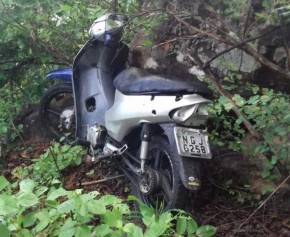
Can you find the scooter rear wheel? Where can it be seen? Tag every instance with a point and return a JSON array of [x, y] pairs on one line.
[[163, 159], [53, 103]]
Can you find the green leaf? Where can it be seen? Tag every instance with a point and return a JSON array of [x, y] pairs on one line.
[[112, 218], [8, 205], [123, 208], [62, 139], [228, 106], [156, 229], [222, 100], [181, 225], [68, 229], [191, 226], [83, 231], [25, 233], [109, 200], [146, 211], [267, 189], [26, 185], [254, 100], [65, 7], [206, 231], [56, 194], [43, 218], [3, 183], [27, 199], [265, 98], [103, 230], [96, 207], [158, 226], [4, 231], [65, 148], [132, 230], [4, 129], [255, 89], [65, 207], [29, 219], [165, 218], [274, 160], [240, 101], [41, 191], [52, 203], [239, 120]]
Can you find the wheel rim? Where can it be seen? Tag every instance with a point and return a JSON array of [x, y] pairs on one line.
[[53, 108], [160, 161]]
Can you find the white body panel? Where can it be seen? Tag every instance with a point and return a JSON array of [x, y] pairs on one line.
[[130, 110]]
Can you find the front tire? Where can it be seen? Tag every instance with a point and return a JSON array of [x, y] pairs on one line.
[[163, 159], [52, 104]]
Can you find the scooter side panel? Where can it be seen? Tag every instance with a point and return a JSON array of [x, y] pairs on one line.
[[130, 110]]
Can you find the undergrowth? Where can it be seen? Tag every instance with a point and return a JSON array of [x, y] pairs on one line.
[[268, 112], [35, 203]]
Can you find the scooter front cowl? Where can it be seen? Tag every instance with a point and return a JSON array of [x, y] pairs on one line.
[[93, 72]]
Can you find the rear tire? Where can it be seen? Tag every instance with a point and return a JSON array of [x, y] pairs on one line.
[[161, 157], [53, 102]]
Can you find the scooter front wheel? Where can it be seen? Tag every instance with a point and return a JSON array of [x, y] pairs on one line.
[[161, 186], [56, 111]]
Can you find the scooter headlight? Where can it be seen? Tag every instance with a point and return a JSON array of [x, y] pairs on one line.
[[108, 24]]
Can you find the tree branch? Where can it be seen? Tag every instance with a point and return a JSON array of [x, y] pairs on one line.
[[235, 43], [198, 30], [237, 46], [224, 93]]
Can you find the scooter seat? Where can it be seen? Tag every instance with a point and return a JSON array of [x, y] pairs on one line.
[[136, 81]]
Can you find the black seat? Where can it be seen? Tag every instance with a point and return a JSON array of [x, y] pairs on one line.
[[138, 81]]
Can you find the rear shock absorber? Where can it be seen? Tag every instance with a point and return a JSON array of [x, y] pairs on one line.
[[145, 138]]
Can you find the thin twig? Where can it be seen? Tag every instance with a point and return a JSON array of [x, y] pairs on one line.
[[238, 45], [266, 229], [262, 204], [247, 19], [55, 160], [186, 37], [196, 29], [101, 180]]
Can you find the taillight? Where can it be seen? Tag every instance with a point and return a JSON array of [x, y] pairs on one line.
[[191, 115]]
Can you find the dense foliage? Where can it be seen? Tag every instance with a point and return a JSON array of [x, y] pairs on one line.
[[36, 204]]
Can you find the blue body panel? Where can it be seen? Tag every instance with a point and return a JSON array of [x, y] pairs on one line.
[[63, 74]]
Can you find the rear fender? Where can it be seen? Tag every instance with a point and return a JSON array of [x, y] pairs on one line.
[[188, 167]]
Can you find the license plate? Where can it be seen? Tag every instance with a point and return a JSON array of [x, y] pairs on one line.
[[192, 142]]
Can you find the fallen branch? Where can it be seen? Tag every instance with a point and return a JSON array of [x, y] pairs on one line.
[[101, 180]]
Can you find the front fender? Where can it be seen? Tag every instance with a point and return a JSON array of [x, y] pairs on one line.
[[64, 74], [188, 167]]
